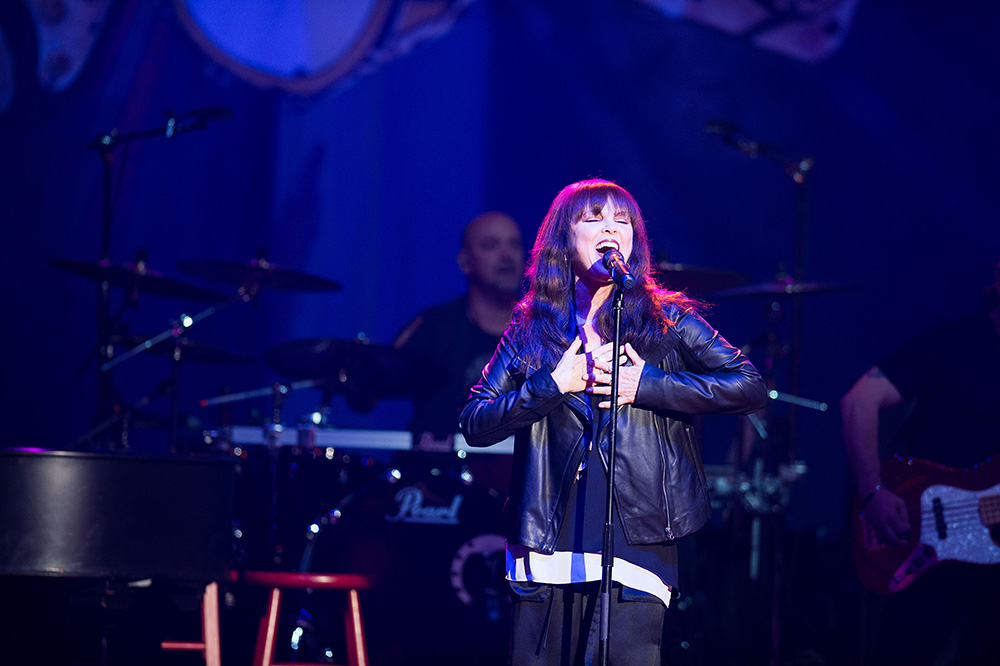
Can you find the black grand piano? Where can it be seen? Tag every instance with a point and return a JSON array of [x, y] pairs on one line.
[[77, 529]]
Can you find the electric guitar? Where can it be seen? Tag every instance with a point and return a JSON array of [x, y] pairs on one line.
[[954, 515]]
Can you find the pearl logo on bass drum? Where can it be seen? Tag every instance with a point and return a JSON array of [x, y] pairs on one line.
[[410, 501]]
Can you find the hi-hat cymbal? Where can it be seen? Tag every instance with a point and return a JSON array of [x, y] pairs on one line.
[[139, 277], [259, 272], [190, 350], [696, 279], [781, 286], [352, 366]]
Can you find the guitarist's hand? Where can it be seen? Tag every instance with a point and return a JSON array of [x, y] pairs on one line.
[[886, 514]]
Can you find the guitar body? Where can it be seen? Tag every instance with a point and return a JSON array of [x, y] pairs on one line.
[[954, 515]]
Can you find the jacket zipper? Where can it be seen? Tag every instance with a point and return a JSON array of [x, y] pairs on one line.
[[668, 531]]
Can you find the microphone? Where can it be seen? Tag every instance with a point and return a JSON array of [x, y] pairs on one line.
[[614, 262]]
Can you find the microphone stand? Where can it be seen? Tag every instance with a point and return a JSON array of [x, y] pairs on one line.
[[105, 145], [608, 549]]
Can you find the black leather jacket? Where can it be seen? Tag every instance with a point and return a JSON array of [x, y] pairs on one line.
[[660, 486]]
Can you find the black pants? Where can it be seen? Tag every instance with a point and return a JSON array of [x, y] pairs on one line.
[[559, 625]]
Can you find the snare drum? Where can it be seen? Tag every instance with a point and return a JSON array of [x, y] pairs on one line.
[[435, 544]]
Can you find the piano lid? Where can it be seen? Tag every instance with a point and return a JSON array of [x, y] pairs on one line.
[[115, 515]]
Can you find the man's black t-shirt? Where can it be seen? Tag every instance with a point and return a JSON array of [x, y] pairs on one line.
[[951, 374], [451, 344]]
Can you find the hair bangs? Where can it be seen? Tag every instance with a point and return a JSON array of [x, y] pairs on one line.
[[590, 196]]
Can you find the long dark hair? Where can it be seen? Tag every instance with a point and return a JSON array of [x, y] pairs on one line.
[[544, 319]]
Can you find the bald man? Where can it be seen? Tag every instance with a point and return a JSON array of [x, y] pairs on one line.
[[459, 336]]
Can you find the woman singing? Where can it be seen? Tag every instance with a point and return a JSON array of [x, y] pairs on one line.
[[549, 384]]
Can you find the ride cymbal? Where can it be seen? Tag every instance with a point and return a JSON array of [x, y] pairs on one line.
[[782, 286], [696, 279], [258, 272], [139, 277]]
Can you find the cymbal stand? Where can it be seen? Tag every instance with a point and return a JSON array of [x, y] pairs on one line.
[[272, 437], [247, 292], [177, 327], [111, 323], [105, 145], [122, 414], [797, 170], [272, 433], [259, 393]]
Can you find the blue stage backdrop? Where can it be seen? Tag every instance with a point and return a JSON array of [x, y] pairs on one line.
[[357, 152]]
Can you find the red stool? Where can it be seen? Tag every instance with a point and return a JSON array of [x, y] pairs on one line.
[[357, 653], [209, 645]]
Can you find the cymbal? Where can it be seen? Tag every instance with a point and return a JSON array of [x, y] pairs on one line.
[[138, 276], [696, 279], [259, 272], [190, 349], [352, 366], [782, 286]]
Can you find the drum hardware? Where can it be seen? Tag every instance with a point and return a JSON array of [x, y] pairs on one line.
[[259, 271], [795, 400], [695, 279], [174, 332], [178, 326], [732, 135], [782, 285], [260, 275], [105, 145], [123, 416], [137, 278], [759, 493], [263, 392], [354, 367], [191, 350], [436, 542], [358, 369], [272, 433]]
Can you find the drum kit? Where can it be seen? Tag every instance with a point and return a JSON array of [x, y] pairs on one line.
[[314, 498], [762, 485], [350, 507], [310, 498]]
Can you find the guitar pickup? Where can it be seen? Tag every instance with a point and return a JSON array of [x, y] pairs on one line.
[[939, 524]]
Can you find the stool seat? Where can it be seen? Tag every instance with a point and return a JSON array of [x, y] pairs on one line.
[[307, 580], [357, 652]]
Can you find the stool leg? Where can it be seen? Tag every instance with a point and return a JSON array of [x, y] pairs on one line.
[[210, 625], [357, 651], [264, 655], [210, 643]]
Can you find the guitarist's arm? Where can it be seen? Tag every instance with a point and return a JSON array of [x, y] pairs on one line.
[[860, 408]]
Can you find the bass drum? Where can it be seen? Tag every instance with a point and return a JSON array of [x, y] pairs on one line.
[[435, 544]]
